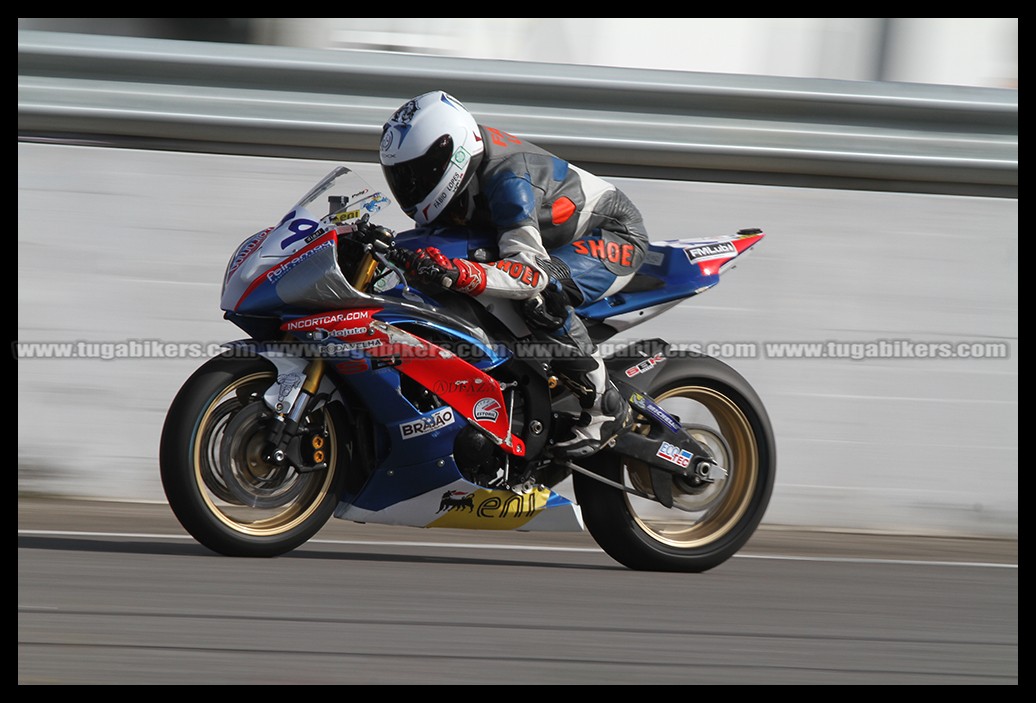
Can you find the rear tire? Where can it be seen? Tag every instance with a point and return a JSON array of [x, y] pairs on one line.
[[709, 524], [215, 479]]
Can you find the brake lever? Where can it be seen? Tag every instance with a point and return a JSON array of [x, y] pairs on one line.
[[386, 261]]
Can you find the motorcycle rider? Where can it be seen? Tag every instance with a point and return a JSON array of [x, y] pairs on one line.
[[565, 237]]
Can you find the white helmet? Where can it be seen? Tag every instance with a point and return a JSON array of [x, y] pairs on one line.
[[430, 148]]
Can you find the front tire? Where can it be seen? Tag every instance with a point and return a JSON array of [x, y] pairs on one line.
[[707, 524], [217, 484]]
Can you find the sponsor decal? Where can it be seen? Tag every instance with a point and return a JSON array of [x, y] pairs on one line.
[[460, 157], [246, 250], [649, 407], [708, 252], [341, 217], [350, 331], [665, 418], [335, 348], [499, 506], [450, 187], [305, 323], [375, 203], [456, 500], [278, 272], [645, 365], [462, 385], [673, 453], [486, 409], [613, 252], [436, 421], [523, 273]]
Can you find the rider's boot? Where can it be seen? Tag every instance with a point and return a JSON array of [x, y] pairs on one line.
[[607, 416]]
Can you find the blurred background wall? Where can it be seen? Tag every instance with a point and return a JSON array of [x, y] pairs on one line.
[[967, 51]]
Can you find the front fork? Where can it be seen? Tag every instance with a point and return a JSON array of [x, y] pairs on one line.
[[291, 396], [289, 400], [297, 384]]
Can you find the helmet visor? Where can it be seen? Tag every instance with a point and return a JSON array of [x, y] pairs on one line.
[[411, 181]]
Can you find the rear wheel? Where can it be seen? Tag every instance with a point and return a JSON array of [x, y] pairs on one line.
[[219, 486], [709, 522]]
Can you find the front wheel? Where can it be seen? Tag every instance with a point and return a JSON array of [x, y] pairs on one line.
[[219, 486], [709, 522]]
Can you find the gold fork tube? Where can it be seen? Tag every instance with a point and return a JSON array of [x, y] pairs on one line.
[[364, 274]]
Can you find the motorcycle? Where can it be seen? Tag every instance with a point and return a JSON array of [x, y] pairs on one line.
[[359, 396]]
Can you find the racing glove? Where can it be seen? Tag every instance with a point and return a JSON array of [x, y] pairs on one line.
[[432, 266]]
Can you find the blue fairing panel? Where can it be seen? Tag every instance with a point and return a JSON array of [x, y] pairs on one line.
[[416, 454]]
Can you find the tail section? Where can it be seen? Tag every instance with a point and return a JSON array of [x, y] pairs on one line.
[[673, 271]]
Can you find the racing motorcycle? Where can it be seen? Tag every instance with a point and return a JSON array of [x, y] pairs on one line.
[[360, 395]]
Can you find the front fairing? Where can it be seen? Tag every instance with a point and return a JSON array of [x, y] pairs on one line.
[[294, 264], [292, 269]]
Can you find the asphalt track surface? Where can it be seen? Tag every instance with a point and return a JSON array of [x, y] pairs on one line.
[[118, 593]]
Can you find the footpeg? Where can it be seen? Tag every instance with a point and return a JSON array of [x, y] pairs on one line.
[[524, 488]]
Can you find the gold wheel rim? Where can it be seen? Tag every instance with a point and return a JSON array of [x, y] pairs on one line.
[[310, 491], [712, 512]]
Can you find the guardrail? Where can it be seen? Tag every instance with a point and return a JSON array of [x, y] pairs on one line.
[[303, 103]]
